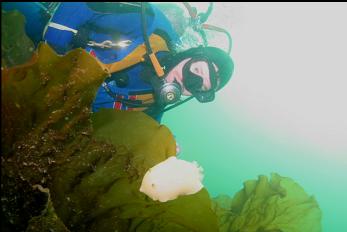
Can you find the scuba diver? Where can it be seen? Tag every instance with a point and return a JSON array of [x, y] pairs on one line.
[[136, 43]]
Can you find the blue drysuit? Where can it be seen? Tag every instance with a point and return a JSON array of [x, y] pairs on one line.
[[73, 20]]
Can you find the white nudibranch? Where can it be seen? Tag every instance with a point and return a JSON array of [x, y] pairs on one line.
[[172, 178]]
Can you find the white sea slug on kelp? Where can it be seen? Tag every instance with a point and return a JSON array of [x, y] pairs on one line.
[[172, 178]]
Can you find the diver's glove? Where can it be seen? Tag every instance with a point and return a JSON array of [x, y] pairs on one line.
[[81, 38]]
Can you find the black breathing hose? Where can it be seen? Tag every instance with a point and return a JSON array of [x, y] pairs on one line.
[[144, 28]]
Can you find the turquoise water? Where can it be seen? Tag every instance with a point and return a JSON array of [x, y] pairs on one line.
[[232, 150], [283, 111]]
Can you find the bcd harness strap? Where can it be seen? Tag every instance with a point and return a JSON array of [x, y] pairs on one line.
[[158, 44]]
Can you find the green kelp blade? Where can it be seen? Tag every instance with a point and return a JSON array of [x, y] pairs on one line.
[[278, 204], [45, 112], [48, 219], [98, 189], [49, 92], [16, 47], [150, 142]]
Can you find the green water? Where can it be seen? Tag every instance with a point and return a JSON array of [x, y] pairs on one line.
[[232, 149]]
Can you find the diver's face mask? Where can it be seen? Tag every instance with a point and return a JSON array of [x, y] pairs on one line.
[[195, 82], [197, 78]]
